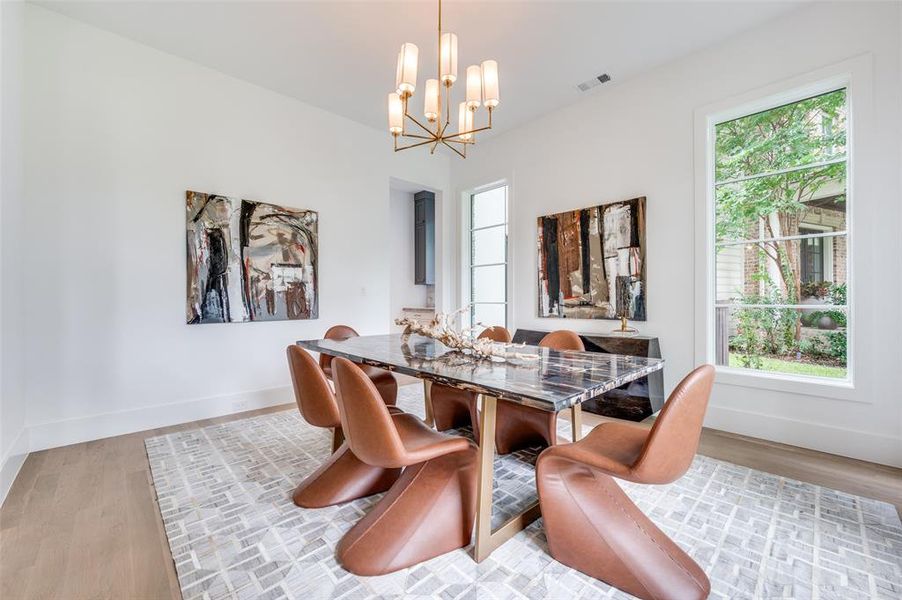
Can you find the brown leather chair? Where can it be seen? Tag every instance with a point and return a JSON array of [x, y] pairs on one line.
[[452, 407], [518, 426], [593, 526], [343, 477], [385, 382], [430, 510]]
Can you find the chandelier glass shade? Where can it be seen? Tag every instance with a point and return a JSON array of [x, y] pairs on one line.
[[481, 90]]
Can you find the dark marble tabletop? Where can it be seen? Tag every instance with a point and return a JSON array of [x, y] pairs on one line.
[[554, 381]]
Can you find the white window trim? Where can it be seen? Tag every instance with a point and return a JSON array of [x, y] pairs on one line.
[[856, 75], [464, 245]]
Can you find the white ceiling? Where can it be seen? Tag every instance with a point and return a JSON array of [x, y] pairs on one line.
[[341, 56]]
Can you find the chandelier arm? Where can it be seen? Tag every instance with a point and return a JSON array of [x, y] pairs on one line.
[[399, 148], [438, 113], [418, 136], [437, 121], [404, 98], [463, 142], [485, 128], [438, 137], [471, 131], [461, 154], [423, 127]]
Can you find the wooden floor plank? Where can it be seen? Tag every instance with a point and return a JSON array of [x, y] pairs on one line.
[[146, 559]]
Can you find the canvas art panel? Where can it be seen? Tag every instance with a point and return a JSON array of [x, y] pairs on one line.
[[592, 262], [250, 261]]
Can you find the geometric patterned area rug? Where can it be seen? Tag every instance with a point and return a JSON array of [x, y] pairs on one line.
[[224, 493]]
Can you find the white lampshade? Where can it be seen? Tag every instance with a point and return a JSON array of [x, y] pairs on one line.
[[464, 121], [448, 60], [490, 96], [474, 86], [407, 65], [398, 70], [395, 113], [430, 109]]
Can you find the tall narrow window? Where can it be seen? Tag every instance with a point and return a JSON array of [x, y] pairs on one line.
[[781, 239], [488, 257]]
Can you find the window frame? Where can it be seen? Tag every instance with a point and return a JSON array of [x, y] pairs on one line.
[[856, 76], [724, 307], [826, 250], [467, 252]]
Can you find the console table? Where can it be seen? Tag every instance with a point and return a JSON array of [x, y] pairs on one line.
[[634, 401]]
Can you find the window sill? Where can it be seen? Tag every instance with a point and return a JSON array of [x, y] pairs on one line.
[[790, 384]]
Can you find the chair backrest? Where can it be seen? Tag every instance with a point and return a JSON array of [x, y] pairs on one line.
[[336, 332], [562, 339], [311, 390], [496, 333], [366, 422], [673, 440]]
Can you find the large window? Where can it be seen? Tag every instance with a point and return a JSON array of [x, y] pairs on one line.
[[488, 257], [781, 239]]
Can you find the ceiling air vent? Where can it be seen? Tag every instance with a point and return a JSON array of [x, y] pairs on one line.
[[595, 81]]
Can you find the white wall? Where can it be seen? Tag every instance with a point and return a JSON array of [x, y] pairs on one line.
[[13, 437], [404, 292], [116, 132], [635, 138]]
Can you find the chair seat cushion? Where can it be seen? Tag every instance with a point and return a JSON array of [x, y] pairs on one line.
[[423, 443], [611, 447]]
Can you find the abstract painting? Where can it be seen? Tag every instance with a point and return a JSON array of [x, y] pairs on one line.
[[592, 262], [250, 261]]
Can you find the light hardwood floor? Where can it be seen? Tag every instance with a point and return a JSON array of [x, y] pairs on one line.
[[82, 522]]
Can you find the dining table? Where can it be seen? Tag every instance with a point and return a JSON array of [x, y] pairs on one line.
[[551, 380]]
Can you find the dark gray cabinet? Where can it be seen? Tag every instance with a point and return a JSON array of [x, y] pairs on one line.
[[424, 238]]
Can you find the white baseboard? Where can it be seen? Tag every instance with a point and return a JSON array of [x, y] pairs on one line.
[[12, 462], [863, 445], [95, 427]]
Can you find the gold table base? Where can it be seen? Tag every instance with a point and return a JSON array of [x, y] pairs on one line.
[[487, 539]]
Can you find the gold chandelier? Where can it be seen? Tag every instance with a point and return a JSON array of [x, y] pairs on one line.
[[482, 89]]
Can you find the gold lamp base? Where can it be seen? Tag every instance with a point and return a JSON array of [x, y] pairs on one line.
[[625, 330]]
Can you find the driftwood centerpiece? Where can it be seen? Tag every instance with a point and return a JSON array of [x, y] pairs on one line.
[[441, 328]]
